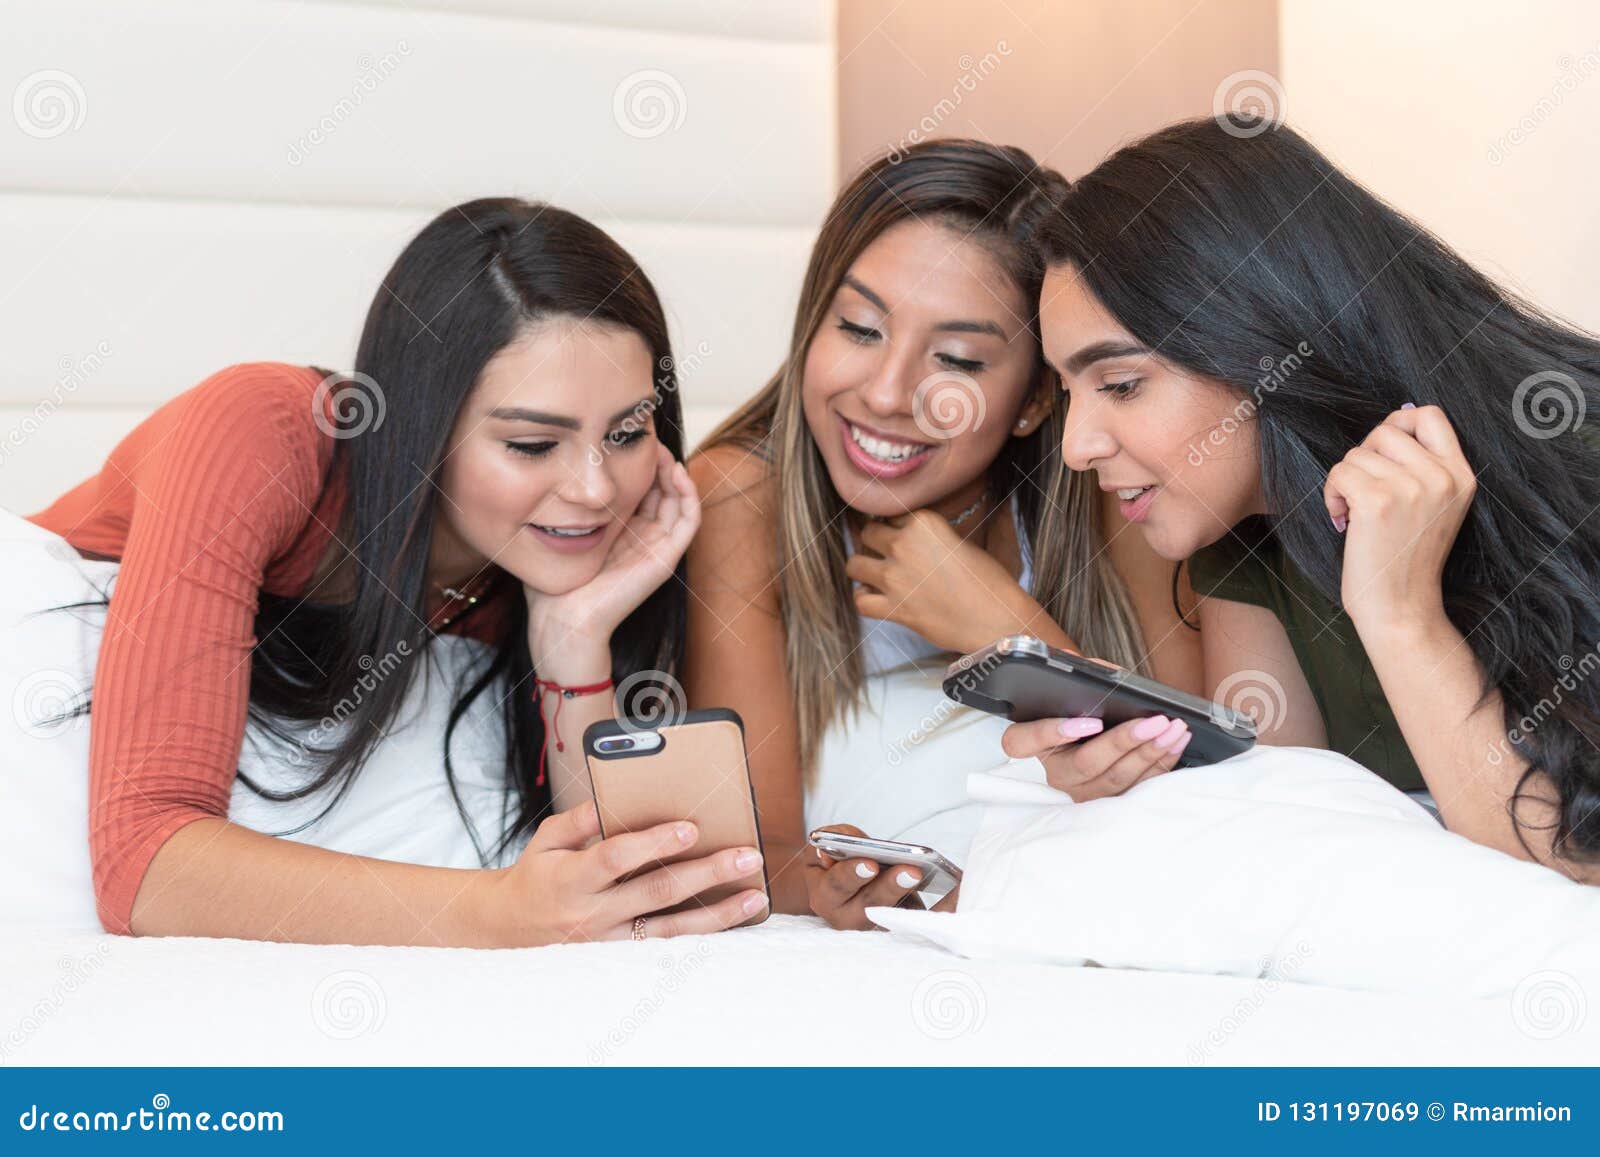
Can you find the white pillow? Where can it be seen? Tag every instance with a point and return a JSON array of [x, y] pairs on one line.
[[399, 808], [1287, 862]]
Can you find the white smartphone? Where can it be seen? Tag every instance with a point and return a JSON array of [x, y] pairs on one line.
[[938, 874]]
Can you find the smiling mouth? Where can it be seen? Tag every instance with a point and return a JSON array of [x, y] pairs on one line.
[[1129, 493], [569, 531], [885, 450]]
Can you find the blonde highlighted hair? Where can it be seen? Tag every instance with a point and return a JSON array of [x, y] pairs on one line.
[[995, 195]]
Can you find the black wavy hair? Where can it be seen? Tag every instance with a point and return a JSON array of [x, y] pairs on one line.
[[1218, 243], [462, 290]]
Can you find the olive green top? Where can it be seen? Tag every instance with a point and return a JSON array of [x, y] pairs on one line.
[[1247, 565]]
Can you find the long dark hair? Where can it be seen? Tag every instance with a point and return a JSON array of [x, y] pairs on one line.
[[461, 291], [1226, 244], [995, 195]]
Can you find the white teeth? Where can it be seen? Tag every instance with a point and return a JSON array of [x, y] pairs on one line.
[[884, 451], [1130, 494], [559, 532]]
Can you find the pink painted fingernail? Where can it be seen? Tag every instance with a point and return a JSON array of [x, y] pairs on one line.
[[1172, 734], [1409, 406], [1150, 728], [1182, 743], [1079, 727], [1340, 523]]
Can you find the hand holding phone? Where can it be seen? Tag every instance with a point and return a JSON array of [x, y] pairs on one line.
[[693, 769], [569, 886], [1098, 729], [851, 872], [1088, 762]]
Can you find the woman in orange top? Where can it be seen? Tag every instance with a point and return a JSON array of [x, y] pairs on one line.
[[504, 464]]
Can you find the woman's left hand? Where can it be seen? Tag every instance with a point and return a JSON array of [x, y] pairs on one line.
[[1400, 497], [921, 573], [643, 557]]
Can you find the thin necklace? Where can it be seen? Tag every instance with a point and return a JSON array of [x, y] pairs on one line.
[[954, 522], [969, 511], [472, 599]]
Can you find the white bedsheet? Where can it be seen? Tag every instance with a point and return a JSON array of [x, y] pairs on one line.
[[788, 992]]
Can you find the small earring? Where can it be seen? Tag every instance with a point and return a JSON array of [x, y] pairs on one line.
[[1022, 423]]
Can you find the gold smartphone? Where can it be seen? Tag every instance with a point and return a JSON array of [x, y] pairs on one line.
[[692, 769]]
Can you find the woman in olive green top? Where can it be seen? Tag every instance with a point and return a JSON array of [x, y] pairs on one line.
[[1371, 458]]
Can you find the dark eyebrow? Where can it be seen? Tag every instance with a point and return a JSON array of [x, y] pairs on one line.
[[970, 327], [562, 421], [866, 293], [945, 327], [518, 414], [1099, 352]]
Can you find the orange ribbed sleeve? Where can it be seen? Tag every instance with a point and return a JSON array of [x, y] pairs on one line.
[[225, 480]]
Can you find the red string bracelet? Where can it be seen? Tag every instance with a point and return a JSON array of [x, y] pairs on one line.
[[540, 688]]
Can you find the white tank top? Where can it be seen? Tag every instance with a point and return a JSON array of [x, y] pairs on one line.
[[886, 645]]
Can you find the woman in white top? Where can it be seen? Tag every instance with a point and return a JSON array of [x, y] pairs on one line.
[[856, 510]]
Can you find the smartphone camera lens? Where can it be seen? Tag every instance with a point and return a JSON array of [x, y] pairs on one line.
[[614, 745]]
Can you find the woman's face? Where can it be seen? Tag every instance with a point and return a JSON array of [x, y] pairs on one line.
[[1180, 449], [551, 454], [920, 370]]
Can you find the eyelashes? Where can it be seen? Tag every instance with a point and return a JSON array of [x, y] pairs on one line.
[[621, 439], [531, 449], [861, 334], [1121, 391], [965, 365], [625, 437], [866, 335]]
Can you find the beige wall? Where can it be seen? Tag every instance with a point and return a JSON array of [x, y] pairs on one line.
[[1068, 80], [1481, 120]]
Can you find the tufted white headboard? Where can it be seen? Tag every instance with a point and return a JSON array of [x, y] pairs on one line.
[[190, 183]]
